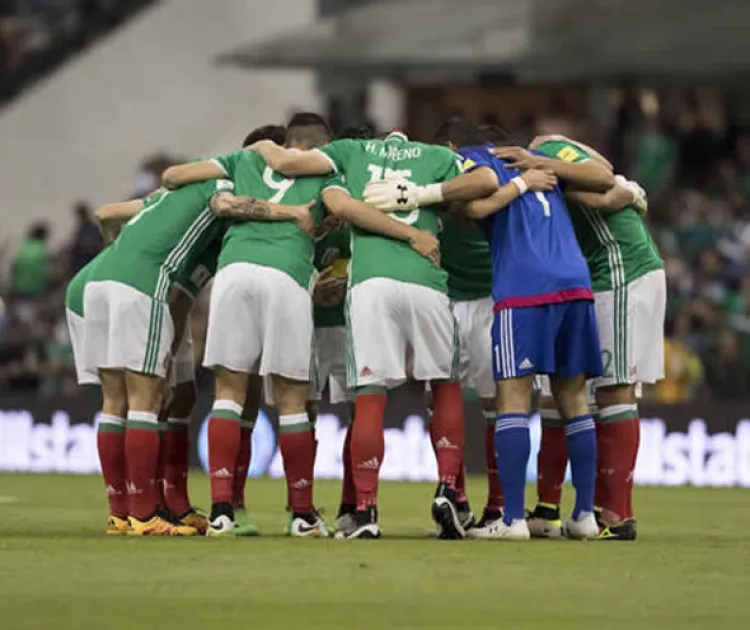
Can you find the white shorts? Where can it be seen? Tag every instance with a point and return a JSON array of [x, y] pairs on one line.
[[183, 364], [474, 319], [330, 360], [542, 385], [126, 329], [259, 322], [389, 319], [84, 375]]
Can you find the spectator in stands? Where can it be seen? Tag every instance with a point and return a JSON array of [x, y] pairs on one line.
[[727, 371], [87, 239], [31, 267], [683, 370], [22, 357]]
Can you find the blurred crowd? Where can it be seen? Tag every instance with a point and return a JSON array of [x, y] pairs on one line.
[[691, 158], [36, 35]]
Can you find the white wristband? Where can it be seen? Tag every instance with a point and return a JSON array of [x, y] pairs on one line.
[[430, 194], [520, 184]]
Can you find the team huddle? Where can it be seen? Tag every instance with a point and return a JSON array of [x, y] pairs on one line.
[[353, 265]]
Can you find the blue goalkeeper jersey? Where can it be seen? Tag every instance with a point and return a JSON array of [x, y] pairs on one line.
[[536, 258]]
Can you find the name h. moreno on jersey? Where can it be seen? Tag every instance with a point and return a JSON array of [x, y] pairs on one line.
[[391, 152]]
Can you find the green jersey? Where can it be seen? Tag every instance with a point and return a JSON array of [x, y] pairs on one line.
[[74, 292], [363, 161], [332, 250], [465, 255], [165, 240], [281, 245], [617, 245], [192, 280]]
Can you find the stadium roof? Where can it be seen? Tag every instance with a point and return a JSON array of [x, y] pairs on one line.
[[536, 40]]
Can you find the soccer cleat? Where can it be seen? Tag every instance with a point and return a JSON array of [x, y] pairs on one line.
[[193, 518], [446, 515], [242, 525], [489, 518], [544, 521], [582, 528], [157, 526], [626, 530], [308, 526], [465, 516], [346, 518], [498, 530], [221, 522], [117, 526], [364, 525]]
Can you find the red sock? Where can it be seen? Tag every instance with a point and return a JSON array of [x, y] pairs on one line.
[[224, 435], [447, 430], [161, 463], [110, 441], [617, 439], [494, 489], [242, 466], [461, 485], [142, 456], [551, 463], [367, 447], [348, 491], [177, 447], [297, 444]]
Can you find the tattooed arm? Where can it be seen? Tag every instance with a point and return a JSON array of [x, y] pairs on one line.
[[227, 205]]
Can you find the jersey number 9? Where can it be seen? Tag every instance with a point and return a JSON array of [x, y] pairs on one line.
[[280, 186]]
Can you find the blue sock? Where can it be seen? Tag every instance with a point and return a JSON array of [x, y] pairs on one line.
[[512, 448], [580, 434]]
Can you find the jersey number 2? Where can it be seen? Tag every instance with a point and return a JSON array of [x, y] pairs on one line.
[[280, 186], [378, 172]]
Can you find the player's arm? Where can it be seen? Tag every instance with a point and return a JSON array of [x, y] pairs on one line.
[[587, 174], [184, 174], [230, 206], [540, 140], [369, 218], [531, 181], [110, 217], [292, 163], [614, 200]]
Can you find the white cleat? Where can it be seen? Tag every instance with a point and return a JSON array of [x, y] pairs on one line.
[[303, 528], [582, 528], [366, 531], [483, 529], [542, 528], [221, 526], [498, 530], [345, 523]]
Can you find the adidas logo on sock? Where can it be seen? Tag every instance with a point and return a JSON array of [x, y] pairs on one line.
[[444, 442], [132, 489], [526, 364], [222, 473], [371, 464], [298, 485], [112, 491]]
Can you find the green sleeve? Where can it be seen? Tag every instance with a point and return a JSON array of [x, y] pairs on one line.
[[562, 150], [338, 153], [228, 162], [448, 164], [337, 180]]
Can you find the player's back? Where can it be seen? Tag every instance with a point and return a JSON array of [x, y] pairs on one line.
[[536, 258], [279, 244], [365, 161], [172, 228]]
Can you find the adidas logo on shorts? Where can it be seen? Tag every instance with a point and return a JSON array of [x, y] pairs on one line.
[[526, 364]]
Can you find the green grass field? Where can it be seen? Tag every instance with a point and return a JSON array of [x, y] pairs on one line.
[[689, 569]]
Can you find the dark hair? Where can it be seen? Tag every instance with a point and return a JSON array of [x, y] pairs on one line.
[[277, 133], [496, 134], [357, 132], [39, 231], [308, 130], [460, 132]]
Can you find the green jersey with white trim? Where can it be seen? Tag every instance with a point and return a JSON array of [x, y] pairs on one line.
[[617, 245], [363, 161], [281, 245], [192, 280], [164, 240], [77, 284], [465, 255], [332, 250]]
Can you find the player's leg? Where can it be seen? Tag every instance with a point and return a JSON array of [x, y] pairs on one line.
[[552, 462], [376, 358], [242, 524], [237, 293], [287, 357], [432, 332], [577, 357], [110, 441]]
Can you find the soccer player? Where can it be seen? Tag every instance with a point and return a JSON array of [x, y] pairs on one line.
[[262, 288], [397, 303], [544, 315], [630, 294]]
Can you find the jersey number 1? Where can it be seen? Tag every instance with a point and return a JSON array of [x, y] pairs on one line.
[[545, 203]]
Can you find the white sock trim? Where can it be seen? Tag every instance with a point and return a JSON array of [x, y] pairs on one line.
[[292, 419], [179, 421], [489, 415], [616, 410], [108, 418], [227, 405], [143, 416]]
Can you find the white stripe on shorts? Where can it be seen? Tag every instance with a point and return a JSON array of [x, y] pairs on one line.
[[506, 346]]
